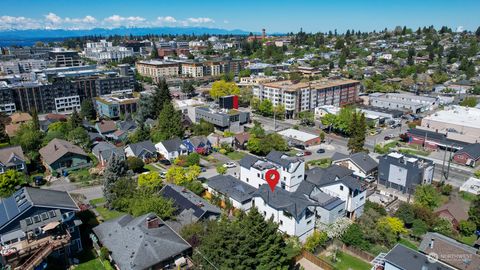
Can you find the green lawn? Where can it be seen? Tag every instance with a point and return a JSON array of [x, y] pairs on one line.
[[151, 168], [346, 262], [469, 240], [322, 163], [97, 201], [407, 243], [469, 197], [89, 261], [235, 155], [414, 152], [108, 214]]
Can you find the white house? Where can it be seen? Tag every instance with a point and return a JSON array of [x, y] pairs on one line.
[[360, 163], [171, 149], [291, 170], [230, 188]]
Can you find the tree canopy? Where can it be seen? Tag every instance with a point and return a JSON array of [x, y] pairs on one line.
[[223, 88]]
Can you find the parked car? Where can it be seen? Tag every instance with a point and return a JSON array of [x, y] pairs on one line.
[[300, 154], [230, 165], [370, 179], [320, 151], [165, 162], [163, 174], [389, 137], [38, 180], [307, 153]]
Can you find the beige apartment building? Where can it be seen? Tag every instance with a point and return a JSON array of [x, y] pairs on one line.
[[157, 69]]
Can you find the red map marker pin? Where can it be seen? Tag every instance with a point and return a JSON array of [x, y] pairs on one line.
[[272, 177]]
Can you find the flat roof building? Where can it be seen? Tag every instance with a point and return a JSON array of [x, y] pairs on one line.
[[404, 102]]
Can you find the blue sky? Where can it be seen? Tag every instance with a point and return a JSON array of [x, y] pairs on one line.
[[275, 16]]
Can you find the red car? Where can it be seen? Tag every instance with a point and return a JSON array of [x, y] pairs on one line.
[[307, 153]]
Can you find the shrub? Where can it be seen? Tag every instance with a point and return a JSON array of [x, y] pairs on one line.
[[135, 164], [104, 253], [315, 240], [467, 227], [221, 169], [447, 189]]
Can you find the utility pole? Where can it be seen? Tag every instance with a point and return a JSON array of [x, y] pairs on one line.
[[274, 121], [444, 178]]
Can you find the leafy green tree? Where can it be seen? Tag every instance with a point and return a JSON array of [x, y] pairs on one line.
[[203, 128], [427, 196], [141, 134], [223, 88], [87, 110], [406, 213], [29, 139], [143, 204], [265, 108], [469, 102], [169, 124], [187, 88], [193, 159], [419, 228], [9, 180], [443, 226], [316, 239], [75, 120], [467, 227], [474, 212], [79, 136], [354, 237], [306, 118], [221, 169], [135, 164], [150, 181]]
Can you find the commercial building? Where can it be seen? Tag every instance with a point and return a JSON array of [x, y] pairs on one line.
[[403, 172], [223, 119], [104, 51], [65, 58], [61, 90], [461, 123], [306, 96], [299, 137], [157, 69], [117, 103], [404, 102], [23, 66]]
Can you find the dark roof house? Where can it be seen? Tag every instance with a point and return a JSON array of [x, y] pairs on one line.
[[232, 187], [366, 164], [60, 154], [12, 158], [145, 242], [143, 150], [104, 151], [403, 258]]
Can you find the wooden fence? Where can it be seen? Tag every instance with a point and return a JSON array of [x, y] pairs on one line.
[[358, 252], [315, 260]]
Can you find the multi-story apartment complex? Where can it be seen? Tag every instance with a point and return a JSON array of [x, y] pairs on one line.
[[61, 91], [104, 51], [157, 69], [117, 103], [192, 69], [23, 66], [65, 58], [403, 172], [306, 96]]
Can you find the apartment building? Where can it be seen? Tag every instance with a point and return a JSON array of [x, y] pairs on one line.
[[104, 51], [404, 172], [116, 104], [23, 66], [157, 69], [62, 92], [223, 119], [65, 58], [192, 69], [306, 96]]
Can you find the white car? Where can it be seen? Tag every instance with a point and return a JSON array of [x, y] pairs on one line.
[[230, 165], [163, 174], [370, 179], [300, 154]]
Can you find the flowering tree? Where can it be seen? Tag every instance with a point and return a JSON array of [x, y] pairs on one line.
[[338, 228]]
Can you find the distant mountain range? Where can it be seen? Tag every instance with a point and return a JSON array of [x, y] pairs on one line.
[[62, 33]]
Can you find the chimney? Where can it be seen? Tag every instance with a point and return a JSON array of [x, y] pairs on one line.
[[152, 222], [55, 147], [431, 243]]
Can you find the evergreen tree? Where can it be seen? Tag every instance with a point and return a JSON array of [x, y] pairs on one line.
[[35, 120], [75, 120], [146, 109], [87, 110], [169, 124], [187, 88], [477, 33], [3, 133], [161, 96], [154, 54], [116, 168], [356, 141], [411, 55]]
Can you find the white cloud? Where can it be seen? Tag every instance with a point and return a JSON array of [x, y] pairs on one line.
[[166, 19], [53, 18], [53, 21]]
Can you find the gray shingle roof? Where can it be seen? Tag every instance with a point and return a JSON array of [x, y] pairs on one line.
[[135, 246], [248, 160], [57, 148], [172, 144], [281, 158], [107, 150], [23, 199], [232, 187], [9, 154], [361, 159], [334, 174], [409, 259], [472, 150], [147, 145], [281, 199]]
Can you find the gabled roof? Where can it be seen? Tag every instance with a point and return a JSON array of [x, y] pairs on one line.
[[106, 150], [23, 199], [197, 140], [106, 126], [232, 187], [248, 160], [242, 137], [127, 125], [406, 258], [172, 144], [57, 148], [361, 159], [281, 199], [10, 155], [147, 145], [281, 158], [334, 174], [472, 150], [20, 117], [135, 246]]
